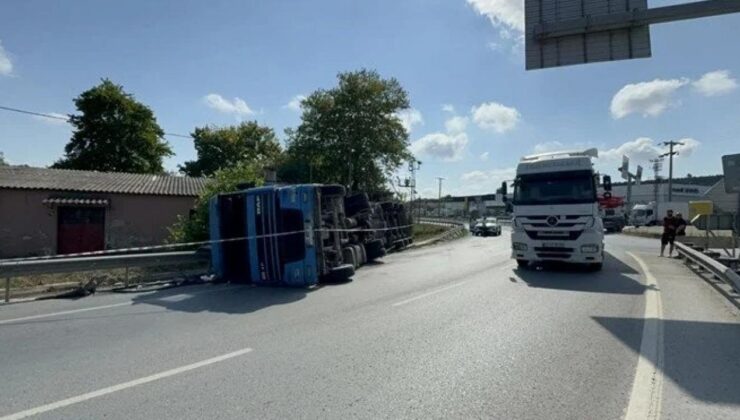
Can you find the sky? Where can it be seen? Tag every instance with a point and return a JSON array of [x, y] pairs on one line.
[[474, 109]]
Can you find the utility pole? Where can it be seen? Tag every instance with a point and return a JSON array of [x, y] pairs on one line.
[[657, 166], [670, 153], [439, 197]]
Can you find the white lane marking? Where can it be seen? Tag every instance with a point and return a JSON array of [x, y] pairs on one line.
[[72, 311], [433, 292], [442, 289], [121, 387], [647, 389], [95, 308]]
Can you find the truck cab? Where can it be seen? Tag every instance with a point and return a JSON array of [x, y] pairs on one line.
[[556, 211], [280, 235]]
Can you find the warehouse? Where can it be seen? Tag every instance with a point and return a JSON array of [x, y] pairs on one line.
[[56, 211]]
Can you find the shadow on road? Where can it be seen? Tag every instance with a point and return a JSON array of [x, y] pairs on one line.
[[699, 357], [612, 279], [234, 300]]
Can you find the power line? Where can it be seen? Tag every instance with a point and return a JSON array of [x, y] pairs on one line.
[[62, 118]]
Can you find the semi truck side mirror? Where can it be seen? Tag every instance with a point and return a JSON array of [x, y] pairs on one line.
[[607, 183]]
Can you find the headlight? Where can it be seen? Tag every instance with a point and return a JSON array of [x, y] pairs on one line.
[[590, 223], [589, 249], [519, 246]]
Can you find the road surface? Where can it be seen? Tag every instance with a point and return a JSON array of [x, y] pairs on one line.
[[447, 331]]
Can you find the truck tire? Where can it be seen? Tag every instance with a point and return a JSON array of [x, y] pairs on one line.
[[356, 203], [348, 256], [374, 249], [522, 263], [360, 253], [340, 274]]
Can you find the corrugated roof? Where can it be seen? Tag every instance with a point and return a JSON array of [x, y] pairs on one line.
[[23, 177]]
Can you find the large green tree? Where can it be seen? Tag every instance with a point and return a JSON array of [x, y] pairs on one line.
[[221, 147], [114, 133], [2, 160], [350, 134]]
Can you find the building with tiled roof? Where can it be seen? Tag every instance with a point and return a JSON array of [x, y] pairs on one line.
[[59, 211]]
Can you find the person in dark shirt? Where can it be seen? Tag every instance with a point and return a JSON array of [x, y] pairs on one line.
[[681, 224], [669, 233]]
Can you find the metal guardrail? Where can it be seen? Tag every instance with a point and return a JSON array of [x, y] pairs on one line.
[[718, 269], [440, 221], [15, 268]]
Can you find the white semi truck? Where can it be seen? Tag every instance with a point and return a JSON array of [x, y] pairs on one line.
[[556, 210]]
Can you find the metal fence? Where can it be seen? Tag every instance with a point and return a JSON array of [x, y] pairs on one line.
[[16, 268], [719, 270]]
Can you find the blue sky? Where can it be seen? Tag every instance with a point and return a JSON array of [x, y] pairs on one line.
[[476, 109]]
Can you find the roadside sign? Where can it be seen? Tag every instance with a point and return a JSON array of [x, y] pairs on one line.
[[625, 169], [731, 169], [548, 45]]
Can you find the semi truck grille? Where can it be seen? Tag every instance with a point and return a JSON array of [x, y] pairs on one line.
[[564, 234]]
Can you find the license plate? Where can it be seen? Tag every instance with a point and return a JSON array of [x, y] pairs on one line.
[[553, 244]]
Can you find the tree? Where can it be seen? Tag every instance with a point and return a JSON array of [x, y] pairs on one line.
[[2, 160], [114, 133], [222, 147], [195, 227], [350, 134]]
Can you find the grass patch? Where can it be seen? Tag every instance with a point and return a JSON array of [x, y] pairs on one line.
[[423, 231]]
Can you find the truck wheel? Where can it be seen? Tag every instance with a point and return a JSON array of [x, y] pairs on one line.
[[349, 257], [340, 274], [360, 252], [356, 203], [522, 263], [374, 249]]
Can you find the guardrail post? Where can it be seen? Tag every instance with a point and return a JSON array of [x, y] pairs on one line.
[[7, 289], [125, 277]]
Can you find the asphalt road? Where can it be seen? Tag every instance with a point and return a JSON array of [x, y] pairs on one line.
[[448, 331]]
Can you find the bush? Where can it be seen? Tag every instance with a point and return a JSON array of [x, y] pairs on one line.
[[195, 227]]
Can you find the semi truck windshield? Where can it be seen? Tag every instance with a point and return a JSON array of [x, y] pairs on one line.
[[555, 188]]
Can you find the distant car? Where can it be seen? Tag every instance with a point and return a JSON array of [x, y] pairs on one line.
[[485, 227]]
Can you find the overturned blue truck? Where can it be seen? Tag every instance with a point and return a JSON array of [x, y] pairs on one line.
[[300, 235]]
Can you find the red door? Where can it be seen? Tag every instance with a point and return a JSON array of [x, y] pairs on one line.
[[80, 229]]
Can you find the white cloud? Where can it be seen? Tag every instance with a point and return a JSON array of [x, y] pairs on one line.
[[484, 156], [497, 117], [60, 119], [642, 149], [449, 147], [646, 98], [548, 146], [237, 107], [409, 118], [485, 181], [6, 66], [295, 103], [503, 14], [456, 124], [715, 83], [448, 108]]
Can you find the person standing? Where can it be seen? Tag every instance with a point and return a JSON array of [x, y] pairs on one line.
[[680, 225], [669, 233]]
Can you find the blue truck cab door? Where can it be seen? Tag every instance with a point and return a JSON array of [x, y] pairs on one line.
[[298, 250]]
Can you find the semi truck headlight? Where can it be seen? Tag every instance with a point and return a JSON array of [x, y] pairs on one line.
[[519, 246], [589, 249], [590, 223]]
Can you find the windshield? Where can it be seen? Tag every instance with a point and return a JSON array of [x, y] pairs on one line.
[[555, 188], [639, 212]]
